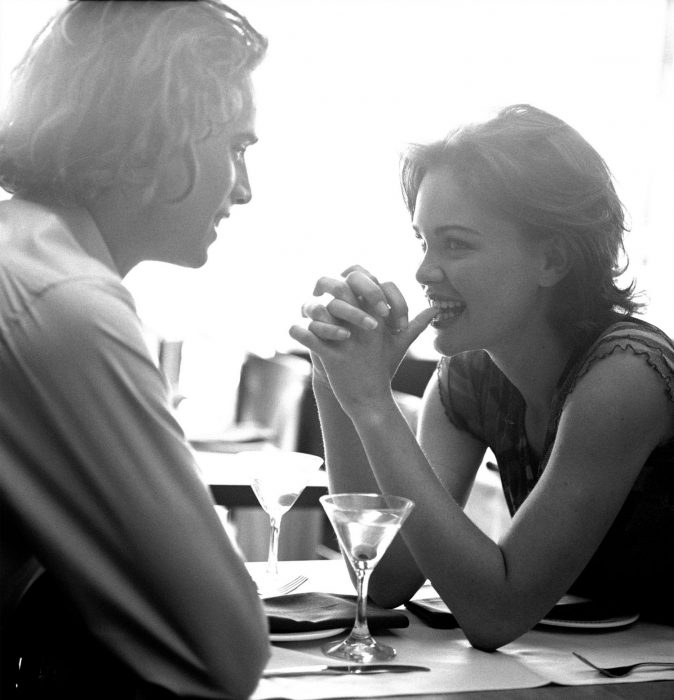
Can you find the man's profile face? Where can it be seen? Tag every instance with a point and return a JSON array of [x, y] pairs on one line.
[[182, 229]]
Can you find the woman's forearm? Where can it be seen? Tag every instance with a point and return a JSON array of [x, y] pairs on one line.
[[346, 461], [397, 576], [467, 568]]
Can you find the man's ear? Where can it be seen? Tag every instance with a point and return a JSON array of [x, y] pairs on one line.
[[555, 261], [177, 177]]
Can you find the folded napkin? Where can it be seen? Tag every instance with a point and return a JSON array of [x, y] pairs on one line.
[[306, 612], [571, 612], [433, 612]]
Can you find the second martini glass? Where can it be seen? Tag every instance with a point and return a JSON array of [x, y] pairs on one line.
[[365, 524], [278, 478]]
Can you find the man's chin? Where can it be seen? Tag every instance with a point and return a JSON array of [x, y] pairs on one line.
[[194, 260], [196, 264]]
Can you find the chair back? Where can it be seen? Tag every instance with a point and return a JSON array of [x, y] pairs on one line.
[[271, 394]]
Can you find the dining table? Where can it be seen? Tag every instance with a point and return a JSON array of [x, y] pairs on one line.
[[539, 665]]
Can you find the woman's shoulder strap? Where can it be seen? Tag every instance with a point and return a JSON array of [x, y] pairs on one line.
[[637, 337]]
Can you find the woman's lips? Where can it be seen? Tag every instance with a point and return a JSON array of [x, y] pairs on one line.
[[447, 310]]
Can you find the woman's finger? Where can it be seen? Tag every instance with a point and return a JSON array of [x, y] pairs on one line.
[[317, 309], [398, 314], [305, 337], [351, 314], [369, 291], [419, 323], [362, 270], [315, 335], [333, 311], [328, 331], [338, 288]]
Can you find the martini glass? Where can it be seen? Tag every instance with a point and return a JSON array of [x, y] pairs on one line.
[[278, 478], [365, 524]]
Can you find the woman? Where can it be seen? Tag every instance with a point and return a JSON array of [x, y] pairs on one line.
[[543, 362]]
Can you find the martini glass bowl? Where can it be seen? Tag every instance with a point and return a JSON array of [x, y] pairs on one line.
[[278, 478], [365, 525]]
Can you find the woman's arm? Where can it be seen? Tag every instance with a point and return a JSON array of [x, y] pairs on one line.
[[346, 462], [348, 470], [454, 457], [454, 454], [615, 417]]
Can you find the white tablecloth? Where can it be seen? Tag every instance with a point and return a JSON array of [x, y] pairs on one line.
[[536, 659]]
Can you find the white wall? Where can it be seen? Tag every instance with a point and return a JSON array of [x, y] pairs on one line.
[[346, 83]]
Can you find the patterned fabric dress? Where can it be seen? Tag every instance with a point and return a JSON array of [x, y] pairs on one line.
[[635, 561]]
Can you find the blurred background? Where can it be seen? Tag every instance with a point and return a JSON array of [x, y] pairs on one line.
[[345, 85]]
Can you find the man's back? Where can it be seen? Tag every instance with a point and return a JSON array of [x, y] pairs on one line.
[[96, 479]]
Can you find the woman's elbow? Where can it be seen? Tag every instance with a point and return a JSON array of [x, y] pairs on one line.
[[394, 591], [485, 643], [490, 636]]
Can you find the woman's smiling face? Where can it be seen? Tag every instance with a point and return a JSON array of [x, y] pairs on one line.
[[478, 269]]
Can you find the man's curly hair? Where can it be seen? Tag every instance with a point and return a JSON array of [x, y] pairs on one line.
[[109, 91]]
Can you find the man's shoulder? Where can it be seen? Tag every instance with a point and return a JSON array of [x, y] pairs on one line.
[[41, 244], [43, 262]]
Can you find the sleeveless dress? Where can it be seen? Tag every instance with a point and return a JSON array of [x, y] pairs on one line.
[[634, 564]]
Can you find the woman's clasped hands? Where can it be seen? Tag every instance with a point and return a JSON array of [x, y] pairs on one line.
[[358, 333]]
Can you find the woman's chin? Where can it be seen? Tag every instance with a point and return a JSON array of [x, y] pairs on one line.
[[448, 342]]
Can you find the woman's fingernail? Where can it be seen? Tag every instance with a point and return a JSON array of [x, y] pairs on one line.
[[382, 308], [343, 333], [369, 323]]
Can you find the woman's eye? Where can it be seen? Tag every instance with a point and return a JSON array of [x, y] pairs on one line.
[[240, 152], [455, 244], [421, 240]]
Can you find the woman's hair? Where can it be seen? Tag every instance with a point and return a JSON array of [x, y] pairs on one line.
[[109, 91], [537, 172]]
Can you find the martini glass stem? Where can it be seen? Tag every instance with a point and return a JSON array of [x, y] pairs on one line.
[[274, 530], [360, 626]]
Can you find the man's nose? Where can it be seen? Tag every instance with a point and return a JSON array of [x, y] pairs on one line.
[[242, 193]]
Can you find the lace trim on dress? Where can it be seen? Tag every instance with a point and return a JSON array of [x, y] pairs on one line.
[[653, 353]]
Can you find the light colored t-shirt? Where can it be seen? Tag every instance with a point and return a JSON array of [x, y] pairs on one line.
[[96, 480]]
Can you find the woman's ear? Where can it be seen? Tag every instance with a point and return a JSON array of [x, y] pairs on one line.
[[555, 261]]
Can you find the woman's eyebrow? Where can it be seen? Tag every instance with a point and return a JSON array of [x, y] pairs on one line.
[[450, 228]]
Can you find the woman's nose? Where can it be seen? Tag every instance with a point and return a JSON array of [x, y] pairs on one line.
[[428, 272]]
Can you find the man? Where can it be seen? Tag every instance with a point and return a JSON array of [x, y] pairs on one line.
[[123, 140]]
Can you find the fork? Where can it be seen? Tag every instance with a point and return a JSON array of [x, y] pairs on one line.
[[620, 671], [284, 589]]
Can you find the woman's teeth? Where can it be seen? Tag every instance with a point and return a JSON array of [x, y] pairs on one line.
[[447, 309]]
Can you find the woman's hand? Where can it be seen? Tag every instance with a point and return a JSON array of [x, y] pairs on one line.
[[357, 298], [359, 336]]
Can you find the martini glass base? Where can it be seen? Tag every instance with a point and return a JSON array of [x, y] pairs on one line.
[[359, 649]]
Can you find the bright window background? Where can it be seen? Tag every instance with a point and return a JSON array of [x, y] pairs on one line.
[[345, 84]]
